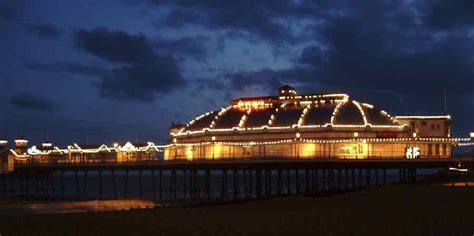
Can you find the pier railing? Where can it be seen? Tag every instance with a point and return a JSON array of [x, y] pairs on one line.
[[33, 161]]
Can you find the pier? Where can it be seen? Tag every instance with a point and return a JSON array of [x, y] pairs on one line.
[[218, 180]]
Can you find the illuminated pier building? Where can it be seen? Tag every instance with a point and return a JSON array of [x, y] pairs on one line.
[[79, 153], [6, 161], [309, 126]]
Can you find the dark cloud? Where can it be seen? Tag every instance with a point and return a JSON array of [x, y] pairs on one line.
[[182, 17], [216, 84], [380, 51], [448, 14], [269, 80], [6, 11], [311, 55], [399, 55], [375, 51], [115, 46], [68, 67], [32, 102], [369, 45], [145, 74], [265, 78], [43, 30], [193, 47], [140, 82], [257, 17]]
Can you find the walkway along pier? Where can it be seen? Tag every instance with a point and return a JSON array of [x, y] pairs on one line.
[[201, 181]]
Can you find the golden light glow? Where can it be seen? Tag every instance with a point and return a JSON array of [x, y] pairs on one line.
[[454, 141], [189, 153], [217, 151], [253, 105], [307, 150], [354, 150]]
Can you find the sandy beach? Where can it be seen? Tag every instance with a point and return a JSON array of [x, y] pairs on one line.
[[393, 210]]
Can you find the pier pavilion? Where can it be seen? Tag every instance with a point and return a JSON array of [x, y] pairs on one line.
[[293, 126], [80, 153], [6, 161]]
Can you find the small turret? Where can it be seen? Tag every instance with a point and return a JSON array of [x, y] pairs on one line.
[[286, 91], [21, 145], [46, 145], [3, 144], [6, 164]]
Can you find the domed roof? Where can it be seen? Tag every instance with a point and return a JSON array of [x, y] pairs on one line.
[[322, 110], [286, 90]]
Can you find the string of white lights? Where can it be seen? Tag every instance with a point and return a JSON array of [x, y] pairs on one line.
[[362, 112], [454, 141]]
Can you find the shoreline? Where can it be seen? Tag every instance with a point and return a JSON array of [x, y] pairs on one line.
[[421, 209]]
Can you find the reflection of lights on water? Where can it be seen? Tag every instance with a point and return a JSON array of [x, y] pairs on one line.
[[458, 169], [459, 184], [89, 206]]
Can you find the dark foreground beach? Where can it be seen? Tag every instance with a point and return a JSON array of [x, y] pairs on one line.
[[393, 210]]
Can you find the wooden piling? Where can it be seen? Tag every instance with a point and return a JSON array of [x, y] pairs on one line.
[[114, 184], [62, 184], [235, 180], [160, 186], [125, 189], [100, 184], [246, 188], [279, 182], [258, 186], [297, 181], [140, 183], [208, 184], [78, 187]]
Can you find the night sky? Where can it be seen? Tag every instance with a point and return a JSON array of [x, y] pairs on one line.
[[97, 71]]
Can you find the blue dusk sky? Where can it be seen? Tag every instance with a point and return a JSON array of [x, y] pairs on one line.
[[100, 71]]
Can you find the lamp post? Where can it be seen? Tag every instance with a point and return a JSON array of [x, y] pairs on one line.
[[213, 138]]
